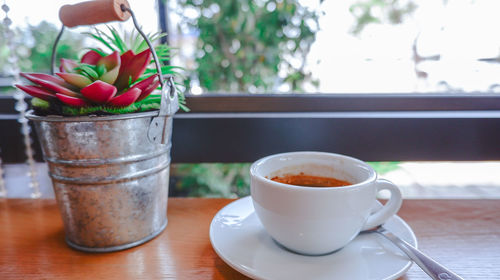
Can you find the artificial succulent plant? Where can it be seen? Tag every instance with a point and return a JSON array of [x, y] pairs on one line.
[[100, 82], [95, 80]]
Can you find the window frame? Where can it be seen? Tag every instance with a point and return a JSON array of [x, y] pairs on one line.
[[373, 127]]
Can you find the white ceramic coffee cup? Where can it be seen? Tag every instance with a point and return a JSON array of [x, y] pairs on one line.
[[318, 220]]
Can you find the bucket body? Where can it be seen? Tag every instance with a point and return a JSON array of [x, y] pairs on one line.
[[110, 181]]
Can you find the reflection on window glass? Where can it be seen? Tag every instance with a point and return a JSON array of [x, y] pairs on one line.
[[357, 46]]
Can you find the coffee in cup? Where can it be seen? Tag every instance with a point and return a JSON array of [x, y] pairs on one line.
[[305, 180], [295, 199]]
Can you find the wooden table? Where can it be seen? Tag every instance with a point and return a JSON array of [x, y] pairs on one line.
[[461, 234]]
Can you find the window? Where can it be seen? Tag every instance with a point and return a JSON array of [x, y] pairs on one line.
[[392, 116], [356, 46]]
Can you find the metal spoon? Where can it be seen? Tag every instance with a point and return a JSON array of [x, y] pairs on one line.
[[435, 270]]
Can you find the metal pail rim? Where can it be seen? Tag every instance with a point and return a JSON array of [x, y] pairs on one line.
[[92, 118]]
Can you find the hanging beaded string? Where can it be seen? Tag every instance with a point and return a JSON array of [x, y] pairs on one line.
[[3, 189], [21, 105]]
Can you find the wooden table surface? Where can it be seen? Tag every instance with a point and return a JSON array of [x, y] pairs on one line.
[[464, 235]]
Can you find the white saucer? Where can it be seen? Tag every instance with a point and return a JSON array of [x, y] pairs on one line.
[[240, 240]]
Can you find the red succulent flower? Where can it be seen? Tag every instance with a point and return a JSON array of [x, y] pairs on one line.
[[103, 80]]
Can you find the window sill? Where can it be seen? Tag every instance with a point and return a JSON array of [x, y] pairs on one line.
[[417, 180]]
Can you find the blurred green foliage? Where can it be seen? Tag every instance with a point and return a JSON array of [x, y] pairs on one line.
[[251, 46], [380, 11], [383, 167], [34, 47], [44, 35], [229, 180]]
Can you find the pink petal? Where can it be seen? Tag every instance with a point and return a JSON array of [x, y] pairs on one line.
[[110, 61], [42, 76], [134, 69], [77, 80], [71, 101], [67, 65], [142, 85], [50, 82], [112, 64], [99, 92], [148, 90], [125, 58], [125, 99], [91, 57], [37, 92], [138, 64], [110, 76]]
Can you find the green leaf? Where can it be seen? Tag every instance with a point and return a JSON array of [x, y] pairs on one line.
[[101, 70], [87, 75], [118, 41], [88, 70], [106, 37], [99, 51], [42, 104], [142, 46], [156, 36], [99, 38], [184, 107], [136, 41]]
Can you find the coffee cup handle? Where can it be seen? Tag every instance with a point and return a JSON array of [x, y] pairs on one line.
[[389, 209]]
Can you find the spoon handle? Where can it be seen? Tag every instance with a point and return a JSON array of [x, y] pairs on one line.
[[435, 270]]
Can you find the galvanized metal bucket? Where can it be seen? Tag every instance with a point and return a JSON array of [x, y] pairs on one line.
[[110, 181], [110, 173]]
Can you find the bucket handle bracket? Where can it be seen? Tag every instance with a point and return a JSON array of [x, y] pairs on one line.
[[158, 132]]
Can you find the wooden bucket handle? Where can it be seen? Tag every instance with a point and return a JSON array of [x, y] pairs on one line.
[[93, 12]]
